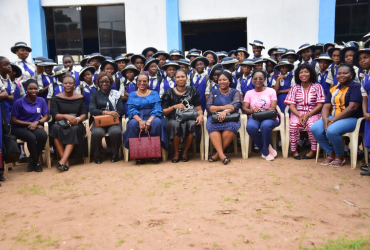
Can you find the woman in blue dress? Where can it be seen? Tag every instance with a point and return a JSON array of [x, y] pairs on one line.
[[223, 100], [145, 114]]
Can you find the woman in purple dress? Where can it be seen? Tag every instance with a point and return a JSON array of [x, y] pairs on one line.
[[223, 100]]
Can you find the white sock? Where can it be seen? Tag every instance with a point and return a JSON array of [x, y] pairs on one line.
[[279, 143], [346, 148]]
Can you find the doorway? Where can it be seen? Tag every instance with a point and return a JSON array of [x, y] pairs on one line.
[[216, 35]]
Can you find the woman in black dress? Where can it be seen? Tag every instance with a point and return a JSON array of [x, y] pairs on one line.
[[172, 100], [69, 107]]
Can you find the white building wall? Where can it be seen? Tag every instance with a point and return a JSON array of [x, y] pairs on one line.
[[15, 26], [145, 20], [284, 23]]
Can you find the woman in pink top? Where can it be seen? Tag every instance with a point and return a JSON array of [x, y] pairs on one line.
[[256, 100], [305, 100]]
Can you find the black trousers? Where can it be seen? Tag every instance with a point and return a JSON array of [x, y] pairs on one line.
[[35, 139], [115, 136]]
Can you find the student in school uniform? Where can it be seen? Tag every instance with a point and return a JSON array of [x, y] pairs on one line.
[[68, 63], [292, 57], [7, 98], [17, 86], [367, 44], [149, 52], [231, 54], [39, 69], [346, 55], [258, 63], [87, 86], [22, 50], [366, 37], [241, 53], [129, 55], [83, 62], [195, 50], [199, 79], [155, 79], [46, 78], [228, 64], [138, 60], [362, 60], [334, 53], [272, 50], [305, 55], [192, 55], [185, 65], [169, 81], [111, 68], [129, 85], [121, 62], [328, 46], [175, 55], [279, 53], [318, 49], [221, 55], [213, 78], [257, 47], [162, 56], [270, 73], [212, 58], [57, 87], [324, 60], [95, 60], [284, 82], [245, 81]]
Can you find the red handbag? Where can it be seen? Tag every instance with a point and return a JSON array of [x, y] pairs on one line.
[[145, 147]]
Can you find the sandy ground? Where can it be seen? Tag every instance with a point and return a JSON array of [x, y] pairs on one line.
[[249, 204]]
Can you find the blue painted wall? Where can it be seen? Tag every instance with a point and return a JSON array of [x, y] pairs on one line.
[[37, 28], [173, 25], [327, 21]]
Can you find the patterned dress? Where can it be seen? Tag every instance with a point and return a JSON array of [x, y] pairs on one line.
[[305, 102]]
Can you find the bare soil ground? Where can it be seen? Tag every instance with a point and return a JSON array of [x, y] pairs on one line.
[[248, 204]]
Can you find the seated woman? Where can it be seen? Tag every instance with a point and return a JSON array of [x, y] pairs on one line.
[[172, 100], [106, 101], [27, 119], [224, 100], [305, 100], [256, 100], [145, 114], [341, 110], [69, 106]]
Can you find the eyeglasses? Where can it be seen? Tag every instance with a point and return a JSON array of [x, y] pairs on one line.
[[106, 81]]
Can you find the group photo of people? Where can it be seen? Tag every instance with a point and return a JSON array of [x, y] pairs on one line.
[[102, 106]]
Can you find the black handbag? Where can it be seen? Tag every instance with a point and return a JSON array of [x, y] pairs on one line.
[[187, 114], [230, 117], [265, 115], [65, 123], [11, 151]]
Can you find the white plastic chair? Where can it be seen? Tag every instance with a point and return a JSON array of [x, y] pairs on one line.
[[281, 128], [353, 144], [47, 150], [241, 131], [126, 151]]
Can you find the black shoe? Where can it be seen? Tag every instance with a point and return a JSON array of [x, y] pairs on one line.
[[2, 178], [365, 168], [347, 154], [226, 161], [24, 159], [184, 159], [305, 157], [31, 166], [140, 162], [38, 167], [155, 161], [297, 157], [97, 160], [367, 173], [175, 160], [114, 158]]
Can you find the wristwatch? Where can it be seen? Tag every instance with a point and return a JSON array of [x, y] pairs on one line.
[[149, 121]]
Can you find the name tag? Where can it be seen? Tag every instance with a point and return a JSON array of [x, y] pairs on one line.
[[38, 110]]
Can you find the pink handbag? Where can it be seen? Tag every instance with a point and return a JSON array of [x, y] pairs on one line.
[[145, 147]]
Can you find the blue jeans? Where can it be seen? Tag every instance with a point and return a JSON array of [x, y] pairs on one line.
[[332, 139], [261, 138]]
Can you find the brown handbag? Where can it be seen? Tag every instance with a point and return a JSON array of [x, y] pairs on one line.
[[145, 147], [103, 121]]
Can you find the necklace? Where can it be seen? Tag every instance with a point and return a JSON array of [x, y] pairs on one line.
[[225, 92], [143, 93], [180, 91]]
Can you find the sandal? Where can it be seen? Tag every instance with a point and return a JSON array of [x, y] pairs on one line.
[[327, 161], [226, 161], [337, 163], [212, 160]]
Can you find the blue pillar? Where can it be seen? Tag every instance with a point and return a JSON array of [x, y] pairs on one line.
[[173, 25], [327, 21], [38, 38]]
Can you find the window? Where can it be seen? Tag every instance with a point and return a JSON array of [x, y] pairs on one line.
[[84, 30], [352, 20]]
